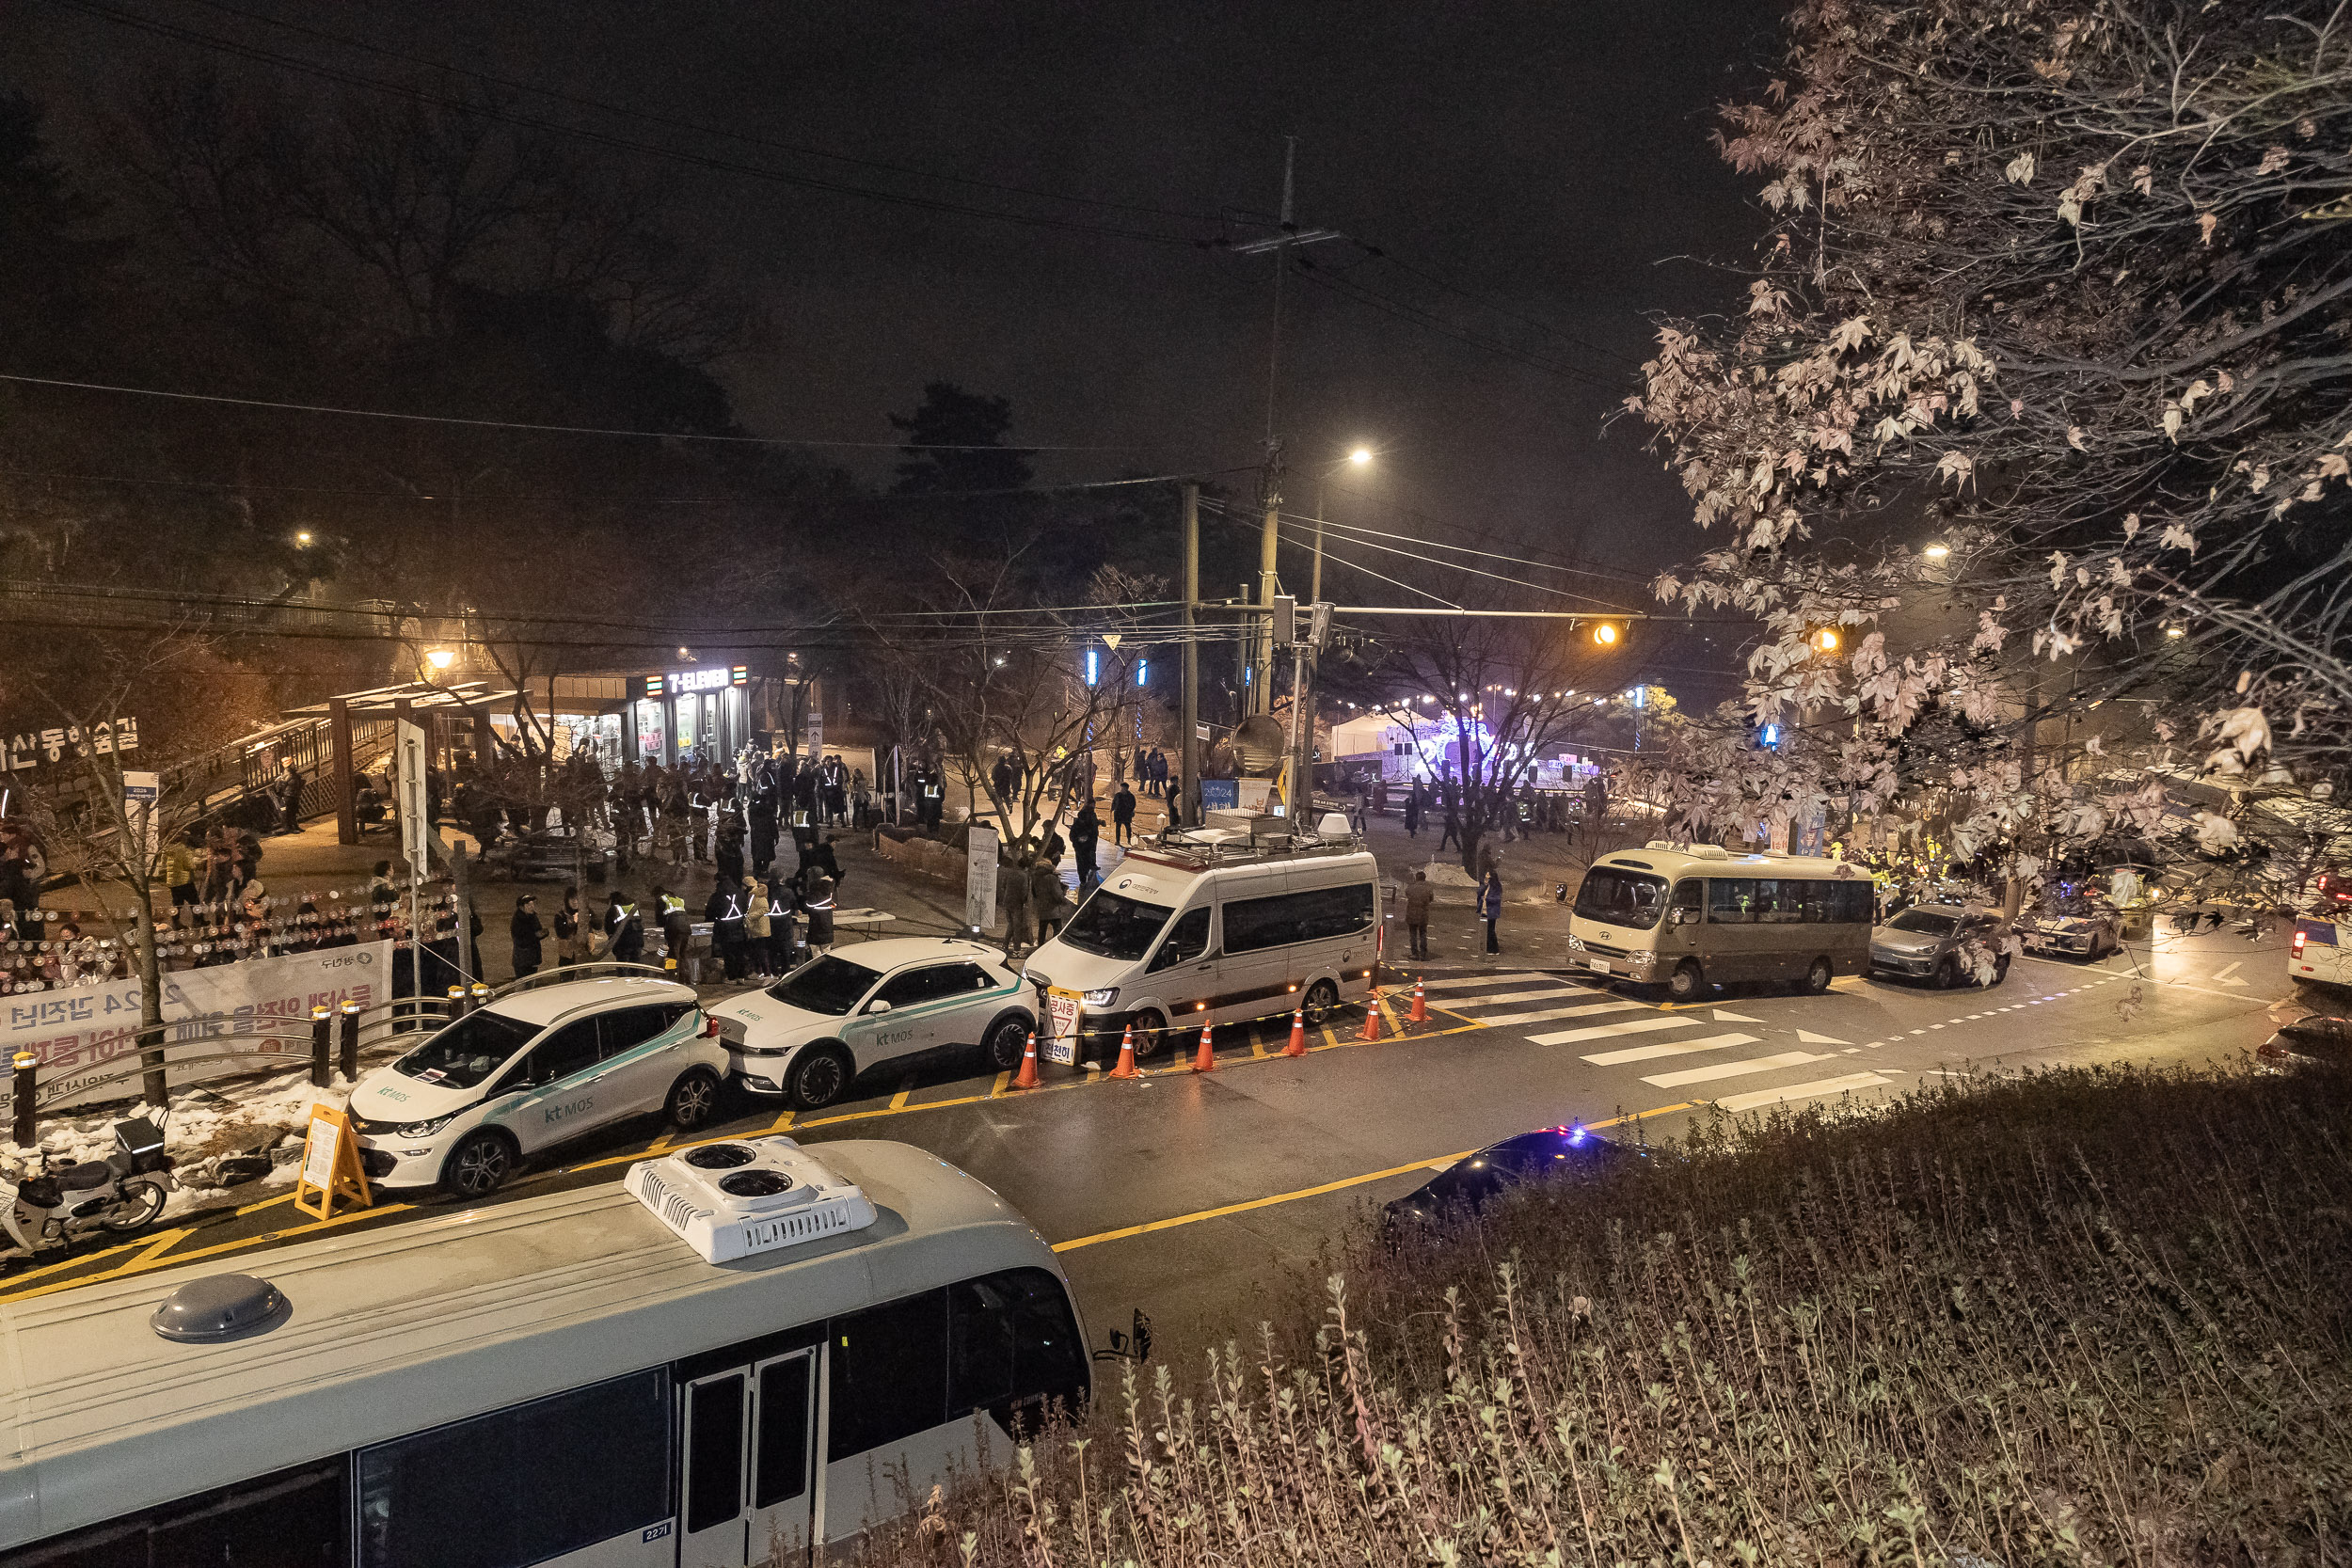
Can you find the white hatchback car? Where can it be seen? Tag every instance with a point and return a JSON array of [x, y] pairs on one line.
[[808, 1035], [531, 1071]]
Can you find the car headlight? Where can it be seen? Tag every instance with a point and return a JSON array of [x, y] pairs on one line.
[[1576, 943], [426, 1129], [1107, 997]]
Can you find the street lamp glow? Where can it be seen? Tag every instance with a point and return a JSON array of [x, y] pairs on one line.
[[1825, 640], [1360, 456], [1936, 552], [2176, 631], [302, 537], [1605, 634], [441, 659]]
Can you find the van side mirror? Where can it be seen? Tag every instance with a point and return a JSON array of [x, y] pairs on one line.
[[877, 1006]]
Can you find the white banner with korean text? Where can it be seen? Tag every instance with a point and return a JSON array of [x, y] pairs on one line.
[[253, 1016]]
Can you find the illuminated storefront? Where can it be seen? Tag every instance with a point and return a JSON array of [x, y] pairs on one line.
[[701, 714]]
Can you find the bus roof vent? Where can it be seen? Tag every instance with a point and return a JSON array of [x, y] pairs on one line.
[[735, 1199], [218, 1308], [1696, 851]]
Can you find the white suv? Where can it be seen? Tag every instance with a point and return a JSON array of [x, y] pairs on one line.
[[531, 1071]]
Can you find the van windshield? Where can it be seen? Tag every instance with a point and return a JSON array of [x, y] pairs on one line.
[[1621, 897], [827, 985], [468, 1051], [1111, 927]]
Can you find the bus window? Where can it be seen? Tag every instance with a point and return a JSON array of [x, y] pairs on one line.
[[1618, 897], [889, 1373], [1690, 898], [1730, 901], [1013, 1346], [293, 1519], [1851, 902], [555, 1476]]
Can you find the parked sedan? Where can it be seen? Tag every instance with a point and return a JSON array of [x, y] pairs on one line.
[[807, 1036], [1470, 1183], [2081, 929], [1939, 943], [533, 1070]]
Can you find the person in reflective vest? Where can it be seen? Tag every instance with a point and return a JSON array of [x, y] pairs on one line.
[[725, 911], [782, 940], [818, 901]]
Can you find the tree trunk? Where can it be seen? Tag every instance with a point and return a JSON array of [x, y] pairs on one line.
[[153, 1083]]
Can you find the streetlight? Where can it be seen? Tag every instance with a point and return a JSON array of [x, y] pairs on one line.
[[1360, 456], [1824, 641], [1606, 634], [441, 659], [302, 538], [2176, 631], [1936, 552]]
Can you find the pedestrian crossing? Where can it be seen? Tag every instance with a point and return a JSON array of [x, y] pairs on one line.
[[1595, 1021]]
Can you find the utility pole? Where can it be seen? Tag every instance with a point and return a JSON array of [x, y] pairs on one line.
[[1185, 812], [1261, 688]]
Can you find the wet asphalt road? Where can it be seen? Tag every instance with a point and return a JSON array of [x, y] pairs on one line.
[[1202, 1197]]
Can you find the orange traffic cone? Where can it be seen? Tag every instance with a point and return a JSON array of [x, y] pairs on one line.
[[1205, 1060], [1421, 1003], [1298, 1045], [1126, 1067], [1028, 1078], [1372, 1017]]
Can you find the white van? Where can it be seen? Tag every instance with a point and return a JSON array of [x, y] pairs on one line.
[[1180, 936]]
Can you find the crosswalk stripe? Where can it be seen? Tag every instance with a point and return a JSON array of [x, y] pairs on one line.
[[1544, 1015], [1460, 981], [1814, 1090], [1732, 1070], [1548, 993], [1673, 1048], [1602, 1031]]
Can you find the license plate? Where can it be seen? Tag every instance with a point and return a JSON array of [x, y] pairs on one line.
[[1601, 964]]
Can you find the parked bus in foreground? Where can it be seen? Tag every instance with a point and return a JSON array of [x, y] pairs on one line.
[[560, 1380], [1691, 917]]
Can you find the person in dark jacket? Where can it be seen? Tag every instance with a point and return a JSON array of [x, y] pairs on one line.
[[527, 931], [724, 911], [783, 939], [816, 898], [678, 936], [568, 916], [624, 933], [1490, 907], [727, 851], [1086, 831], [1123, 815]]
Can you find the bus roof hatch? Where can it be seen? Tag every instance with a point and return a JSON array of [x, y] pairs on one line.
[[733, 1199]]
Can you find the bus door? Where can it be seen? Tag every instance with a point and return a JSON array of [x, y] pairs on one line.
[[749, 1431]]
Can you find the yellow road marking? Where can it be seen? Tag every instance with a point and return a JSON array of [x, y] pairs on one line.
[[1436, 1162], [996, 1089], [72, 1262], [1330, 1040], [160, 1244], [782, 1123], [1257, 1045], [661, 1145], [138, 1265], [899, 1100]]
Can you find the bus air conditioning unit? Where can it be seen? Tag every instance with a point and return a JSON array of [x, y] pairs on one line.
[[737, 1200]]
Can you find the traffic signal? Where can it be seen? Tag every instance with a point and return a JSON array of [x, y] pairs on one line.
[[1606, 634]]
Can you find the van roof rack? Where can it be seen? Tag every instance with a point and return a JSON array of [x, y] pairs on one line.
[[1199, 848]]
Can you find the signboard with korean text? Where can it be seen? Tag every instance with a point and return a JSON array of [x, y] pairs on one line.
[[1061, 1017], [33, 749], [140, 791], [258, 1009], [330, 1166]]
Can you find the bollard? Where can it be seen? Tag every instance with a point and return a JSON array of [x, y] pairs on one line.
[[478, 998], [27, 1125], [351, 1041], [457, 1003], [321, 1028]]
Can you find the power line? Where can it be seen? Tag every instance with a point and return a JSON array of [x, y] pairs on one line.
[[181, 34], [699, 128], [1453, 565], [515, 424]]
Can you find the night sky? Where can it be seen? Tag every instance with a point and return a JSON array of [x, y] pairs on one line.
[[1551, 160]]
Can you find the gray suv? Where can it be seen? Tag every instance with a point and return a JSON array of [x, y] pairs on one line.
[[1938, 943]]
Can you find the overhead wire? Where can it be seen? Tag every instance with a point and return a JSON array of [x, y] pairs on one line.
[[700, 128], [180, 33], [1453, 565], [522, 425]]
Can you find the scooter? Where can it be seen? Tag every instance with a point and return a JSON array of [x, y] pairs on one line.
[[121, 1195]]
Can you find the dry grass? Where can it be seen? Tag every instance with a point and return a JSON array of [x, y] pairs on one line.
[[2087, 1317]]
